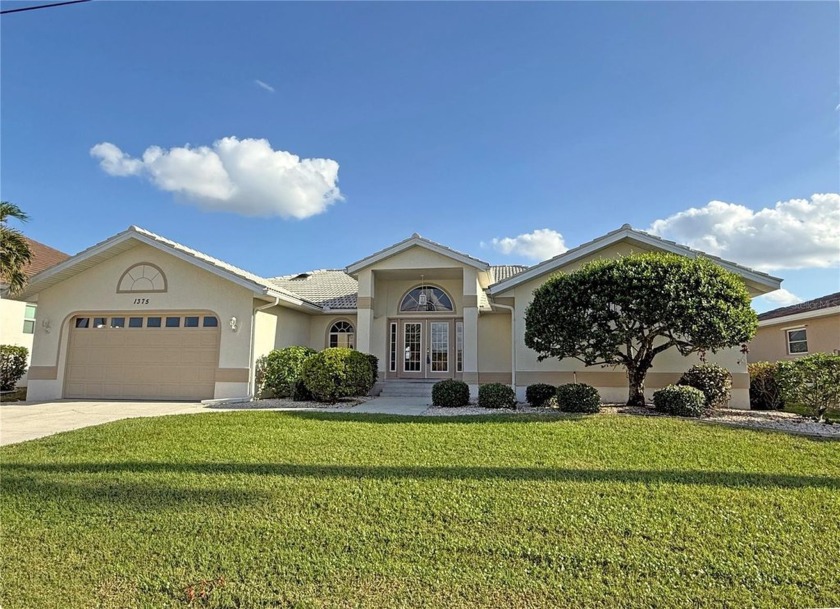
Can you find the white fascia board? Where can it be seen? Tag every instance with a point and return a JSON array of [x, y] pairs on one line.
[[411, 242], [552, 264], [585, 250], [786, 319]]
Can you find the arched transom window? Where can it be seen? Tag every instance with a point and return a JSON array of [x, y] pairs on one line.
[[342, 334], [426, 298], [143, 277]]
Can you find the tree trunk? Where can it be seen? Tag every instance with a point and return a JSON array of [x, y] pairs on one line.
[[636, 377]]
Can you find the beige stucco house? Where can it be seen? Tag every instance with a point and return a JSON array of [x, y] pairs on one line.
[[801, 329], [139, 316], [17, 318]]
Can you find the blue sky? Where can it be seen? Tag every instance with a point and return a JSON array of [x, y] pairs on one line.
[[474, 124]]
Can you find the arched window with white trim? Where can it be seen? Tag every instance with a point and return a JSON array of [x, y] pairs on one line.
[[342, 334], [426, 298]]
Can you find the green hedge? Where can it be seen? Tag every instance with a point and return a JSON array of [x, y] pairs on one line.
[[336, 373], [765, 393], [539, 393], [578, 397], [12, 365], [680, 401], [496, 395], [278, 371], [714, 381], [450, 393]]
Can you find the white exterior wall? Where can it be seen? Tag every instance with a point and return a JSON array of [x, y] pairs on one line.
[[95, 290]]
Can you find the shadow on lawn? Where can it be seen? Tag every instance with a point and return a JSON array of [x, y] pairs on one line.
[[413, 472]]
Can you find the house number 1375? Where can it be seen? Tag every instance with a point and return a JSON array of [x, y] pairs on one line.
[[141, 301]]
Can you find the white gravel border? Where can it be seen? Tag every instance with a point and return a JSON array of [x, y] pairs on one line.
[[787, 422]]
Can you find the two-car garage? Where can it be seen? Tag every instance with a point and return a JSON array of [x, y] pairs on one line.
[[156, 356]]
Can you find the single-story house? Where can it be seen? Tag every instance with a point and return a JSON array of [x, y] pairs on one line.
[[17, 318], [801, 329], [139, 316]]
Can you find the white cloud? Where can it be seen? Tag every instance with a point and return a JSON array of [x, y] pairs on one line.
[[114, 161], [244, 176], [264, 85], [779, 298], [540, 245], [799, 233]]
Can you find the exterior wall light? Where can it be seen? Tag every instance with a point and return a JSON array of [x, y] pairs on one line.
[[233, 323]]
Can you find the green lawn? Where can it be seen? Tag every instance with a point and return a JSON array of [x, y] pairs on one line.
[[263, 509]]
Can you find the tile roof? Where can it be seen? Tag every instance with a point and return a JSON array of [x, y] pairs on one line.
[[506, 271], [334, 289], [43, 257], [823, 302]]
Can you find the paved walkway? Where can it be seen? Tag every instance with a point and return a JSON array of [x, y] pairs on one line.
[[413, 406], [21, 422]]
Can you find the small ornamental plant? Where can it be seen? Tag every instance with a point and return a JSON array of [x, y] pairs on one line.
[[578, 397], [450, 393], [12, 365], [496, 395], [538, 394], [713, 380], [679, 401]]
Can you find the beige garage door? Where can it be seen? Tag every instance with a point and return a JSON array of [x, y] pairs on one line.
[[161, 356]]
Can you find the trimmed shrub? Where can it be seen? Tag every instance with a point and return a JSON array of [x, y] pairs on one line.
[[361, 375], [450, 393], [765, 393], [496, 395], [714, 381], [539, 394], [300, 393], [812, 381], [12, 365], [680, 401], [374, 367], [278, 371], [578, 397], [336, 373]]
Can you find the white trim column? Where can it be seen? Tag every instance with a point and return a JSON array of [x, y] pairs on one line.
[[470, 313], [364, 311]]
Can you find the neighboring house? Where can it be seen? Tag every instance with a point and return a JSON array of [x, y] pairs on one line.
[[139, 316], [17, 319], [800, 329]]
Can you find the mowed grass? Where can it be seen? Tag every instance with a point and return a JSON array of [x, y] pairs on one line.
[[334, 510]]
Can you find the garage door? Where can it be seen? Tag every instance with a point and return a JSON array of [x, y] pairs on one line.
[[165, 356]]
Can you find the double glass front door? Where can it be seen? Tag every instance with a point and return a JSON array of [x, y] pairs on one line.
[[425, 348]]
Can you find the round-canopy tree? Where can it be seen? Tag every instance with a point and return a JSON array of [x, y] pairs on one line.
[[625, 312]]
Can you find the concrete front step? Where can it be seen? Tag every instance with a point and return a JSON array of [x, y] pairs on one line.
[[419, 388]]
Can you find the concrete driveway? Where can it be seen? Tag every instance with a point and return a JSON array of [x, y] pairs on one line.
[[20, 422]]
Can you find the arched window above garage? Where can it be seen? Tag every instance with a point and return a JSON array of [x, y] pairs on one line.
[[143, 277]]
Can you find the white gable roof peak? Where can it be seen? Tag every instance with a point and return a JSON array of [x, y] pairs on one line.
[[415, 240], [628, 233], [128, 238]]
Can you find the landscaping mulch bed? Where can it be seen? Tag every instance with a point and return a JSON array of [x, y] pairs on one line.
[[757, 419]]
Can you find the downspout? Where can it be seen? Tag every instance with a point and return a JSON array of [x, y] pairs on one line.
[[512, 341], [252, 380]]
